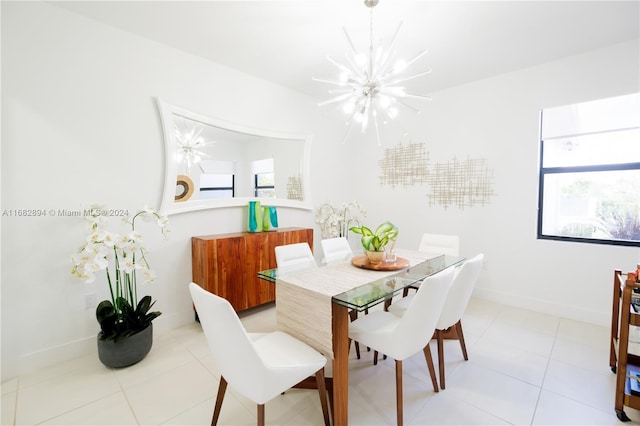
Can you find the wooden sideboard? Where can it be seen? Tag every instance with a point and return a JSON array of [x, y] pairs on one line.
[[227, 264]]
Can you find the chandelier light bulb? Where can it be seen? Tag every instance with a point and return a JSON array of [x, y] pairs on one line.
[[385, 101], [369, 80], [400, 66], [348, 107]]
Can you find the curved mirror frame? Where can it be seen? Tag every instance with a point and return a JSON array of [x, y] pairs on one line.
[[231, 149]]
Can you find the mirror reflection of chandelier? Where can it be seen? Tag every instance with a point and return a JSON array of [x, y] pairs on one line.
[[369, 84], [188, 147]]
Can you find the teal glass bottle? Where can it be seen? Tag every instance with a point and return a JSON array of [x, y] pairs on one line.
[[254, 219]]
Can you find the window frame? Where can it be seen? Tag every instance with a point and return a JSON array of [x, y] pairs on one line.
[[257, 188], [544, 171], [232, 188]]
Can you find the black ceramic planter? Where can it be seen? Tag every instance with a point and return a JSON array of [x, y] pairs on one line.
[[126, 352]]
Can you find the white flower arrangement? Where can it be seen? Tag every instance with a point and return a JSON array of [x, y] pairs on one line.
[[335, 220], [120, 255]]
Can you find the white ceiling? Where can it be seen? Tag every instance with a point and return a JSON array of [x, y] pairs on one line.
[[287, 41]]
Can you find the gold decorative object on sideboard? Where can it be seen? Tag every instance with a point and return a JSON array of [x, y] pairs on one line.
[[228, 264]]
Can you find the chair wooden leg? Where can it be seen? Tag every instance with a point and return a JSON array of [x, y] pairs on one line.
[[216, 411], [430, 366], [353, 315], [322, 390], [357, 345], [440, 340], [461, 338], [399, 411], [375, 357], [260, 414]]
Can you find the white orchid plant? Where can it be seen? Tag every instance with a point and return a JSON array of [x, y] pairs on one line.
[[335, 220], [121, 256]]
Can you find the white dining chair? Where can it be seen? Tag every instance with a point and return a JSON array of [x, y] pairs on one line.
[[260, 366], [335, 250], [295, 256], [451, 317], [440, 244], [401, 337]]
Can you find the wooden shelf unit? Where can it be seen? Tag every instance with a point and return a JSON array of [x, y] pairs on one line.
[[623, 363], [228, 264]]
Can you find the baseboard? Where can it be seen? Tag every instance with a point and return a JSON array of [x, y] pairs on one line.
[[574, 312], [34, 361]]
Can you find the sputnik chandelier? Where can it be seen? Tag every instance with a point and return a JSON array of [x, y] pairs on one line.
[[369, 83], [188, 147]]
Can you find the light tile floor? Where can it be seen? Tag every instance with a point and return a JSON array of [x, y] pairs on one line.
[[524, 368]]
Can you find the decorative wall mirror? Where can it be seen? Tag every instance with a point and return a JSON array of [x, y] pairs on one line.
[[212, 163]]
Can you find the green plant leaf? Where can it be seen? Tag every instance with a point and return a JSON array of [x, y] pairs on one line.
[[367, 241], [107, 318], [384, 228], [144, 305]]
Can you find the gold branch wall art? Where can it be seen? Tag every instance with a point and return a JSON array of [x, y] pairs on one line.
[[294, 188], [461, 183], [465, 183], [404, 166]]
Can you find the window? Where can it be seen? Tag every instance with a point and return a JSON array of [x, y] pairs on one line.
[[218, 185], [589, 188], [215, 186], [263, 178]]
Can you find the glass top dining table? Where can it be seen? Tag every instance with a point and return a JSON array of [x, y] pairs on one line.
[[313, 304], [365, 296]]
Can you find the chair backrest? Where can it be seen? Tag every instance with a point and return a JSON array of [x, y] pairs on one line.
[[418, 323], [460, 292], [294, 256], [336, 249], [440, 244], [228, 340]]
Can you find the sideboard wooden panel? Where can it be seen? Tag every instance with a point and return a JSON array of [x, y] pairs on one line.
[[227, 264]]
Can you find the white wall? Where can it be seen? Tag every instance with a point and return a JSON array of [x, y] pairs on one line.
[[498, 119], [80, 126]]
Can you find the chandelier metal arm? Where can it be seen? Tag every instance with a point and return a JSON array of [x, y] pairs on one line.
[[337, 83], [414, 109], [377, 128], [338, 64], [395, 71], [349, 42], [389, 54], [336, 99], [422, 97], [359, 74], [410, 77]]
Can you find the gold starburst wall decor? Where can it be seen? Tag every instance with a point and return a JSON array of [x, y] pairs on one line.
[[461, 183]]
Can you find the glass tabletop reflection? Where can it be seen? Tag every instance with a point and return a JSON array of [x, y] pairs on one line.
[[377, 291]]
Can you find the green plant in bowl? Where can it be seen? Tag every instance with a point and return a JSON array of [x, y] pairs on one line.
[[376, 241]]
